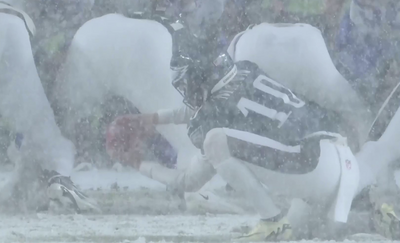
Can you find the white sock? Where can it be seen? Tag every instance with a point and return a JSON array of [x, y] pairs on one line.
[[191, 179], [158, 172], [242, 179]]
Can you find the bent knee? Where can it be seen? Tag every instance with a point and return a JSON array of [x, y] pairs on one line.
[[215, 146]]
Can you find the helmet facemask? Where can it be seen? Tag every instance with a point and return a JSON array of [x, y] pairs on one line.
[[193, 93]]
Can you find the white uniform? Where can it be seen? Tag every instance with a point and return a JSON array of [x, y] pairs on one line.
[[177, 116]]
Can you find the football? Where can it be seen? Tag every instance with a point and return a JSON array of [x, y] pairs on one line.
[[127, 139]]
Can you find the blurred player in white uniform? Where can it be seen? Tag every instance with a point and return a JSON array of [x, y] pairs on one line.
[[43, 158]]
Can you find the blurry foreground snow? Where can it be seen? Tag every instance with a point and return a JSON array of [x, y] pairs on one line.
[[137, 209], [129, 228]]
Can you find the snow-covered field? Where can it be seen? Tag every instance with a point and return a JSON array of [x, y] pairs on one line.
[[124, 228], [137, 209], [119, 228]]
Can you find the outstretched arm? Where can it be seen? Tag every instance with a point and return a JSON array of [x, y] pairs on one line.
[[176, 116]]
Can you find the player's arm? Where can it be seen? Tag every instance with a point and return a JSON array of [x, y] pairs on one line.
[[175, 116], [162, 117]]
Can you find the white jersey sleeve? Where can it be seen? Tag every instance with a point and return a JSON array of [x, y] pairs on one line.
[[176, 116]]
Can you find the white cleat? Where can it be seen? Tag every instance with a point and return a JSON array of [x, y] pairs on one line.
[[62, 190]]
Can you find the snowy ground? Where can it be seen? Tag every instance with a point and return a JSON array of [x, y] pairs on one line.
[[119, 228], [136, 209], [123, 228]]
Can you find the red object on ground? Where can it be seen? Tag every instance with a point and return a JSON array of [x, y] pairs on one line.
[[126, 139]]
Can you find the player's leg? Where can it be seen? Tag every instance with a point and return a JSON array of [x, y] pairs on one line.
[[197, 172], [244, 161], [380, 188], [191, 179], [178, 182], [376, 157], [382, 149], [40, 145], [235, 171], [33, 181], [62, 190]]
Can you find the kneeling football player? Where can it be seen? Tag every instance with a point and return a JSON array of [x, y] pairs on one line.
[[255, 133]]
